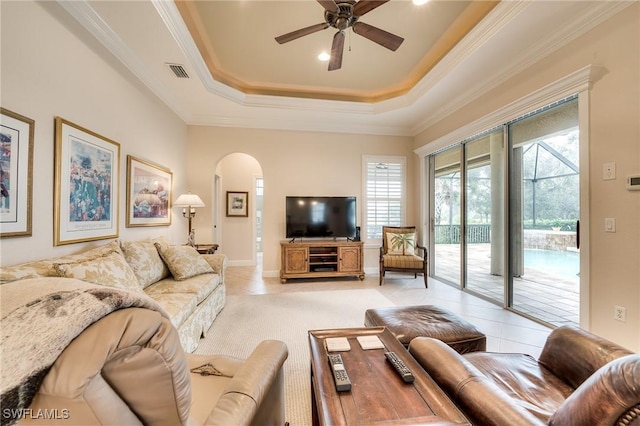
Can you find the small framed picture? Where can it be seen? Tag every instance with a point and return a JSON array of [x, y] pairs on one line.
[[148, 194], [86, 176], [237, 203], [16, 174]]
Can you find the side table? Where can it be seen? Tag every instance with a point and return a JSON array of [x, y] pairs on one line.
[[206, 248]]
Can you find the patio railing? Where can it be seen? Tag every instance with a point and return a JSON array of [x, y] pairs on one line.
[[450, 234]]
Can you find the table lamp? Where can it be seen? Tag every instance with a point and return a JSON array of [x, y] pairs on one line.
[[189, 202]]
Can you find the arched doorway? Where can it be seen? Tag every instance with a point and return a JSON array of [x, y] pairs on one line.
[[237, 227]]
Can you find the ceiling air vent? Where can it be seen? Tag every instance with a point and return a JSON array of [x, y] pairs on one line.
[[178, 70]]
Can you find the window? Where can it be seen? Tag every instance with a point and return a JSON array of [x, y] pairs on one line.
[[384, 194]]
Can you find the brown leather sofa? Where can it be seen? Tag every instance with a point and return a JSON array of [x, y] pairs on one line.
[[579, 379], [129, 368]]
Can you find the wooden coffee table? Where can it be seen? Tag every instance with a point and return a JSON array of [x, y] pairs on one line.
[[378, 395]]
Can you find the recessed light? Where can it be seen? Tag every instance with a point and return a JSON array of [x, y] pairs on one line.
[[419, 2], [324, 56]]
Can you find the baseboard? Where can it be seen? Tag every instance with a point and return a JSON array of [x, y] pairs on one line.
[[241, 263], [271, 274], [371, 271]]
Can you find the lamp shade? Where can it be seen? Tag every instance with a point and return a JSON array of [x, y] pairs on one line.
[[188, 200]]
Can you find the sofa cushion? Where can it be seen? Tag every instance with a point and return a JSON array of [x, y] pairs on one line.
[[46, 268], [111, 270], [183, 261], [178, 305], [144, 259], [201, 285]]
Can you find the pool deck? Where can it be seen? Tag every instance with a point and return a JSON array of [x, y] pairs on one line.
[[540, 294]]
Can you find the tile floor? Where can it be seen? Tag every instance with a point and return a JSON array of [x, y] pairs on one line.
[[505, 330]]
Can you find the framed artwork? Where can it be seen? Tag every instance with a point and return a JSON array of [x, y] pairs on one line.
[[148, 194], [237, 204], [86, 185], [16, 174]]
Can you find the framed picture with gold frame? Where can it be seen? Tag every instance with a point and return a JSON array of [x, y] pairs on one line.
[[148, 193], [237, 204], [16, 174], [87, 185]]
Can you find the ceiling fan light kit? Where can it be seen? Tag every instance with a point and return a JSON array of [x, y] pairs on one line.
[[342, 15]]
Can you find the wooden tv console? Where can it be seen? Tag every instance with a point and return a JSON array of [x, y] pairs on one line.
[[321, 259]]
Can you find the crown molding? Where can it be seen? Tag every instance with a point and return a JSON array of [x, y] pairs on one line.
[[552, 42], [345, 113], [171, 17], [82, 12], [576, 82], [310, 125]]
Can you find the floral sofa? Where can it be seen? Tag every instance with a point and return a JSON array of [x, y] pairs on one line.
[[188, 286]]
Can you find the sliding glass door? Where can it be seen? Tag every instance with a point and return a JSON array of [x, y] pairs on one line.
[[505, 221], [446, 215], [544, 210], [484, 170]]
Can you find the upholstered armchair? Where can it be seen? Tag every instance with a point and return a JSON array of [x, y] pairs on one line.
[[128, 368], [400, 252]]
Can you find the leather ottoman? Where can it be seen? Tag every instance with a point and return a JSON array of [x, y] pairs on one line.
[[408, 322]]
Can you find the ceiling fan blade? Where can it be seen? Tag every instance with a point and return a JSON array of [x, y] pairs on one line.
[[301, 32], [383, 38], [329, 5], [336, 51], [364, 6]]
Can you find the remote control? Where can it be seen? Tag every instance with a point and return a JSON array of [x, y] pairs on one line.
[[398, 364], [339, 373]]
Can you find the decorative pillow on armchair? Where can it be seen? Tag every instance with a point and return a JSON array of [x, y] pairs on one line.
[[110, 270], [401, 244], [183, 261]]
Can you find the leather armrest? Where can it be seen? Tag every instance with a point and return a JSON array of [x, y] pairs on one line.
[[573, 354], [250, 386], [610, 395], [477, 396]]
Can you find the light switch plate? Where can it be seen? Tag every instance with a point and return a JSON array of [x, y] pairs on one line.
[[608, 171], [609, 224]]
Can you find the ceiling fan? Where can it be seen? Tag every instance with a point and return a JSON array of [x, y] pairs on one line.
[[343, 14]]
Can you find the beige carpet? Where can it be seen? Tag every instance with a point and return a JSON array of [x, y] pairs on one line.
[[247, 320]]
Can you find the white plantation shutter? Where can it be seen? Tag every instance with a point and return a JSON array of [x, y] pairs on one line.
[[384, 197]]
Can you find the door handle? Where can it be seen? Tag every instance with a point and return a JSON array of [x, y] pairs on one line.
[[578, 234]]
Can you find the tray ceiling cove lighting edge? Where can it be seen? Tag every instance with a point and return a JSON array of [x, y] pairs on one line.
[[461, 25]]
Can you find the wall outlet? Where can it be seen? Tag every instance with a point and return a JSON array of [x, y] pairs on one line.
[[620, 313]]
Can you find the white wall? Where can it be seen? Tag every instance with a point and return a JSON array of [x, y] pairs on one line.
[[52, 67], [294, 163], [614, 136]]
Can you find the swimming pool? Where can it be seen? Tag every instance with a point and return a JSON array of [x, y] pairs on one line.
[[562, 263]]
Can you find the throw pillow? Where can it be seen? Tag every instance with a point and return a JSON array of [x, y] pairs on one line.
[[401, 244], [111, 270], [183, 261], [144, 259]]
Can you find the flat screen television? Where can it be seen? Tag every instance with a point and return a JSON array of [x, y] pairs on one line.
[[321, 217]]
